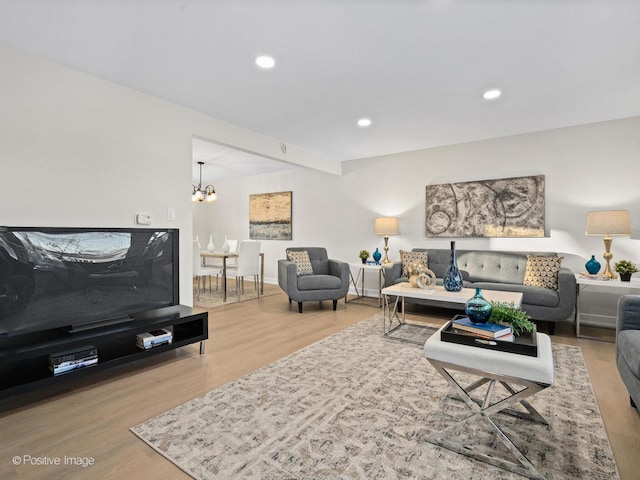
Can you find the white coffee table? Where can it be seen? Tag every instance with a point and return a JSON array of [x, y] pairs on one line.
[[438, 296], [522, 376]]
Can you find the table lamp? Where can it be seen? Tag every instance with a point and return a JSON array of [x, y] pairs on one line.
[[386, 226], [607, 223]]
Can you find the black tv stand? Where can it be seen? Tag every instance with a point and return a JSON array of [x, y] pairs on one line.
[[24, 359], [83, 327]]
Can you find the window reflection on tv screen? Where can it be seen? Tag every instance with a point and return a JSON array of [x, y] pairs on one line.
[[54, 277]]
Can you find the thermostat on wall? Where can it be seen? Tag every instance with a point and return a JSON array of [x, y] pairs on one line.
[[143, 219]]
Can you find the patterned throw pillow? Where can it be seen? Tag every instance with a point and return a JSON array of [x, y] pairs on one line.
[[301, 259], [542, 272], [409, 257]]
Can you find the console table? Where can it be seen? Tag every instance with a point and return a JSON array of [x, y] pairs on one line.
[[610, 286], [362, 268]]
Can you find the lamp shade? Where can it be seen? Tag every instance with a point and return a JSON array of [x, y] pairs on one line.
[[386, 226], [608, 222]]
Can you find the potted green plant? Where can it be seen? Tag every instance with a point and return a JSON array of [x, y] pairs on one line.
[[625, 268], [364, 254], [508, 314]]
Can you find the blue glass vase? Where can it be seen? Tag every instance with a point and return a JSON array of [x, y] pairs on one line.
[[593, 265], [477, 308], [377, 256], [452, 278]]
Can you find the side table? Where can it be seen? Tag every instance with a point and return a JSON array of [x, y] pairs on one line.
[[363, 267], [611, 286]]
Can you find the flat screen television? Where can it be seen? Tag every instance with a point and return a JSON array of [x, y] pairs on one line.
[[78, 278]]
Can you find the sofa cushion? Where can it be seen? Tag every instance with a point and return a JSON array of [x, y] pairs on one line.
[[408, 258], [302, 261], [438, 260], [542, 271], [628, 344], [544, 297], [496, 267], [319, 282]]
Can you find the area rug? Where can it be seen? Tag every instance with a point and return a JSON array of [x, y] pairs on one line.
[[356, 405], [215, 299]]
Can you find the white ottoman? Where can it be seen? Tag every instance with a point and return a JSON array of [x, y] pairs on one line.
[[530, 374]]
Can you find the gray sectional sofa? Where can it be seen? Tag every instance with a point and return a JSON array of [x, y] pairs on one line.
[[500, 270]]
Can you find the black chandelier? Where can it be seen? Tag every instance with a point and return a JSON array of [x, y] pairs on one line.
[[207, 193]]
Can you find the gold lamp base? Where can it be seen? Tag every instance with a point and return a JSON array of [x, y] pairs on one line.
[[386, 250], [608, 256]]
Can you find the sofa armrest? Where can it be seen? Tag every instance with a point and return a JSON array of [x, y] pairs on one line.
[[287, 276], [338, 268], [392, 271], [628, 315], [566, 291]]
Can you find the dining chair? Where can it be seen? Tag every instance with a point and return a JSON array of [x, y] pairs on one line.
[[201, 271], [233, 248], [248, 264]]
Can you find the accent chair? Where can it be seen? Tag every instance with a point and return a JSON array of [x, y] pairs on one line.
[[308, 274]]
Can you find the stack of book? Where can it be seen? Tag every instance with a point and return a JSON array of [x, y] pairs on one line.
[[155, 338], [63, 362], [484, 330]]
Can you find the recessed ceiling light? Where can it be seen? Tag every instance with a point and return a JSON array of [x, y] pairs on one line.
[[364, 122], [265, 61], [491, 94]]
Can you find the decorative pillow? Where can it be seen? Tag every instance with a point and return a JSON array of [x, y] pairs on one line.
[[409, 257], [542, 272], [302, 261]]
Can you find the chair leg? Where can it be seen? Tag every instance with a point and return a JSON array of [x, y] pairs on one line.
[[335, 304], [300, 307]]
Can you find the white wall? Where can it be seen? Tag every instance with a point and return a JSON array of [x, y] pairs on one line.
[[589, 167], [92, 153], [76, 150]]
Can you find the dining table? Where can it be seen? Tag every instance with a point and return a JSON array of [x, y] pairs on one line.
[[224, 256]]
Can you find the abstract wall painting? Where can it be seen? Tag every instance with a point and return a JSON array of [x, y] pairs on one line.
[[270, 216], [508, 207]]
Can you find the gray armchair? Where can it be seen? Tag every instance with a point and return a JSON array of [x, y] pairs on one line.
[[628, 345], [329, 280]]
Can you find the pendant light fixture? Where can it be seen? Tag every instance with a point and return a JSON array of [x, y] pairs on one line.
[[207, 194]]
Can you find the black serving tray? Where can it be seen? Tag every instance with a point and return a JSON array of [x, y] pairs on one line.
[[524, 344]]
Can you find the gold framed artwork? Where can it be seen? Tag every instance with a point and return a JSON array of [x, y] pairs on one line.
[[505, 208], [270, 216]]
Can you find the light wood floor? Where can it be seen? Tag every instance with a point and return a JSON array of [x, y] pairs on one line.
[[92, 420]]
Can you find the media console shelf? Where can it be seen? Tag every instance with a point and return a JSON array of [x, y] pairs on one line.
[[24, 359]]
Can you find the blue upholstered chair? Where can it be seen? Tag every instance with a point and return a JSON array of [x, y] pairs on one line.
[[323, 279], [628, 345]]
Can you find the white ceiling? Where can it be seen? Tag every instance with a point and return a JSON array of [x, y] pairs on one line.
[[417, 68], [222, 162]]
